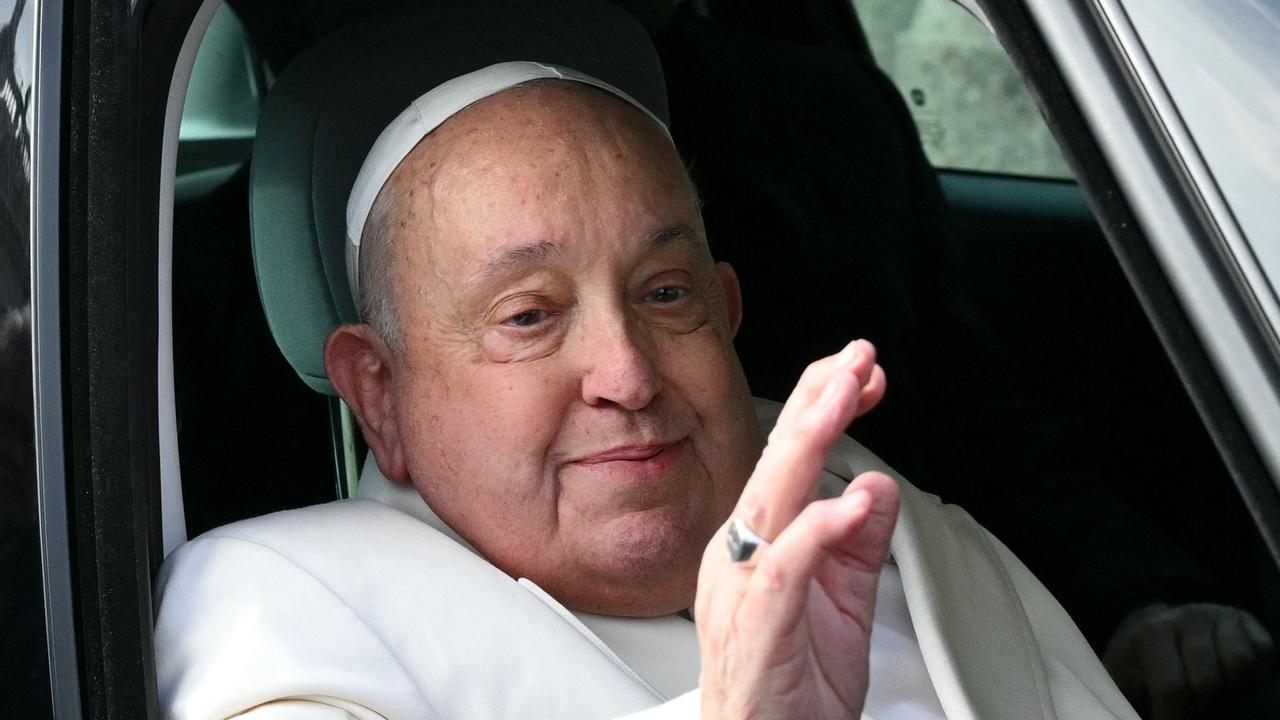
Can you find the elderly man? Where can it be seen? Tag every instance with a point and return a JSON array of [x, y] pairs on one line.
[[547, 362]]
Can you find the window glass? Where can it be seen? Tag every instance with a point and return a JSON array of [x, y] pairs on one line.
[[1218, 61], [24, 667], [969, 103], [220, 114]]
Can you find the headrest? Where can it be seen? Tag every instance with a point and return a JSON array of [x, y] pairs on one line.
[[329, 106]]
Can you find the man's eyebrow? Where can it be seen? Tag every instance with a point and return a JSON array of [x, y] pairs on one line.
[[681, 233], [504, 260]]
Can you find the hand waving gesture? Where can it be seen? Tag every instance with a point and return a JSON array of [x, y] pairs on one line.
[[786, 634]]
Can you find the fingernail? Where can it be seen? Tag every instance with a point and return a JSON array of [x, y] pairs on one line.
[[855, 501], [849, 355]]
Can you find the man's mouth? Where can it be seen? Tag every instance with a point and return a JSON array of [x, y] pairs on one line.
[[631, 477], [626, 453], [632, 462]]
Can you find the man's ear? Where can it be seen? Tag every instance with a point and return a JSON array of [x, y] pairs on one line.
[[732, 295], [356, 359]]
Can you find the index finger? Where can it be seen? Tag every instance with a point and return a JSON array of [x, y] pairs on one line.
[[860, 355], [785, 477]]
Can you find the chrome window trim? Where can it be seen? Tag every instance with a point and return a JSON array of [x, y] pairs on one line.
[[1211, 299], [46, 276]]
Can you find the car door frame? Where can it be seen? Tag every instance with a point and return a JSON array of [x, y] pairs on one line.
[[108, 354], [114, 62]]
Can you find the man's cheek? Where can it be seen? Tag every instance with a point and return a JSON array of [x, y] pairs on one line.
[[699, 363]]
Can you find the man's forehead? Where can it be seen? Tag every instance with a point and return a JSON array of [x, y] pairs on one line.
[[531, 155], [489, 257], [527, 118], [451, 113]]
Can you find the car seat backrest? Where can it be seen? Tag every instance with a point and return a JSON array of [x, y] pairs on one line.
[[330, 104]]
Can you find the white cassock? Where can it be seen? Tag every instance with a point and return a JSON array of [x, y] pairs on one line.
[[373, 608]]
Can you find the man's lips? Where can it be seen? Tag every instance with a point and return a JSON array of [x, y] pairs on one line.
[[623, 453], [652, 469]]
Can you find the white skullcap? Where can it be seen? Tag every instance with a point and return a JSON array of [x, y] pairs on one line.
[[429, 112]]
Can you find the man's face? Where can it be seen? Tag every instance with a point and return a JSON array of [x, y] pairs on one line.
[[567, 396]]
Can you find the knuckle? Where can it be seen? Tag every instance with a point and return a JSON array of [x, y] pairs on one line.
[[816, 367], [809, 425], [772, 575], [814, 373]]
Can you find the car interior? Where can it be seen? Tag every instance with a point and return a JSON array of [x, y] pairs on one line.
[[1025, 381]]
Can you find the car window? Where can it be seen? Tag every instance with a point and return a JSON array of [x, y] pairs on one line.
[[1217, 61], [970, 105], [24, 670], [227, 85]]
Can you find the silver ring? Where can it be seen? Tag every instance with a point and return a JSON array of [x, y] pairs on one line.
[[743, 541]]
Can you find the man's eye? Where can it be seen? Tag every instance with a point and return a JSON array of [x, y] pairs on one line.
[[667, 294], [526, 319]]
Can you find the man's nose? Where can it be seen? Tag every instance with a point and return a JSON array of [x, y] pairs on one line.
[[618, 365]]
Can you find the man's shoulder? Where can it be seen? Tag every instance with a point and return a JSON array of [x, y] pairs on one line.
[[360, 602], [332, 534], [340, 546], [263, 593], [337, 518]]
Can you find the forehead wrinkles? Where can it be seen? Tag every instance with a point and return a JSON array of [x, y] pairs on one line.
[[543, 145], [533, 153], [549, 123]]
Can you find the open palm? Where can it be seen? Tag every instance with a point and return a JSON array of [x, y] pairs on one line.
[[788, 635]]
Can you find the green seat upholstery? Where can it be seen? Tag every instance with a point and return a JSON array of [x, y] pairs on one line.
[[329, 105]]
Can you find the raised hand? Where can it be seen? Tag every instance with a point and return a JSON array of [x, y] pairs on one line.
[[787, 634]]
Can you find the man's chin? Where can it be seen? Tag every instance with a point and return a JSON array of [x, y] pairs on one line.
[[666, 595], [643, 568]]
